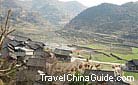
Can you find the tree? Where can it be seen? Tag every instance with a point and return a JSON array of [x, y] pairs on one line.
[[5, 29], [7, 69]]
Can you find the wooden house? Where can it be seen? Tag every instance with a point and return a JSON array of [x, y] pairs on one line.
[[132, 65], [63, 55], [37, 47], [23, 48], [31, 75], [15, 46], [11, 45], [36, 64], [28, 77]]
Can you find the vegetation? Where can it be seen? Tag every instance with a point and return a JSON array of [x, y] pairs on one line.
[[78, 74], [43, 12], [5, 30], [108, 19], [135, 50], [135, 75], [104, 34], [107, 50], [7, 69]]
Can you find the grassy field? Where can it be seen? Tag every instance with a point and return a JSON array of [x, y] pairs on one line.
[[98, 46], [135, 50], [135, 75], [103, 58], [126, 54]]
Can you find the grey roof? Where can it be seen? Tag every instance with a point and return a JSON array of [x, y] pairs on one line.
[[36, 62], [62, 52], [15, 43], [24, 75], [41, 44], [35, 45], [134, 62], [32, 46]]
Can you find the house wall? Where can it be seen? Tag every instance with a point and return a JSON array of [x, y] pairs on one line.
[[131, 67], [33, 68], [27, 57], [29, 52], [63, 58], [134, 68], [20, 53], [39, 52]]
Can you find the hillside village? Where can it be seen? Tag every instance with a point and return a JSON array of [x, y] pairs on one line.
[[57, 38], [23, 60], [34, 58]]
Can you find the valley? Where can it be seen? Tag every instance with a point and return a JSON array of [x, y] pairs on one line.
[[66, 37]]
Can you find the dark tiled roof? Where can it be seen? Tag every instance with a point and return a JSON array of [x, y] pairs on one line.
[[32, 46], [35, 45], [24, 75], [36, 62], [134, 62], [15, 43], [62, 52]]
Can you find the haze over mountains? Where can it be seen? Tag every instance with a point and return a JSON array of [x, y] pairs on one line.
[[43, 12], [38, 19], [119, 20]]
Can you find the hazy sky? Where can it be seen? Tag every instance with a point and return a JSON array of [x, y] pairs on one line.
[[96, 2]]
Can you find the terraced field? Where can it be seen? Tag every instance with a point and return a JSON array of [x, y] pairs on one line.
[[125, 53], [131, 53]]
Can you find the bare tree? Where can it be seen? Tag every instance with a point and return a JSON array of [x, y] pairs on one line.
[[5, 73], [5, 29]]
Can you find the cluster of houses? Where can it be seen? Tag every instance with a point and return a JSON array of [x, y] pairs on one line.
[[19, 47], [30, 54], [33, 55]]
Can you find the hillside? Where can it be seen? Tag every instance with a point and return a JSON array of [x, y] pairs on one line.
[[39, 19], [22, 15], [119, 20], [38, 12]]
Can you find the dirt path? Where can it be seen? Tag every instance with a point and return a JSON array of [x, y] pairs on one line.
[[106, 63]]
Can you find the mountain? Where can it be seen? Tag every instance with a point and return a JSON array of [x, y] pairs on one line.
[[119, 20], [54, 12], [39, 19], [58, 13], [22, 15], [73, 7]]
